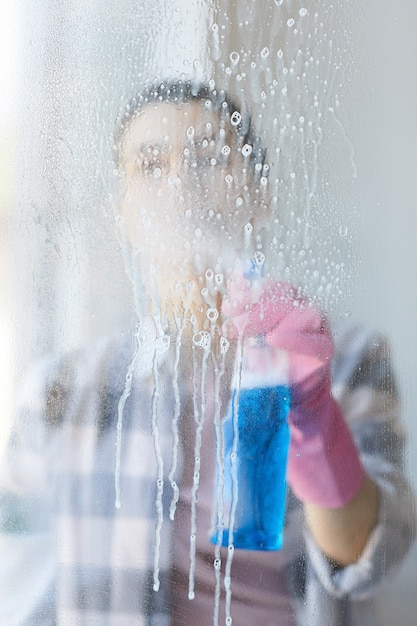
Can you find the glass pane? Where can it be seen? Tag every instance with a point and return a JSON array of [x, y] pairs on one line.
[[206, 225]]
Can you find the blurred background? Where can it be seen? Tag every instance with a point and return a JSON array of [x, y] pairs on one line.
[[67, 68]]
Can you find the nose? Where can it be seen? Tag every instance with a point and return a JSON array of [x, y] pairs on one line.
[[175, 172]]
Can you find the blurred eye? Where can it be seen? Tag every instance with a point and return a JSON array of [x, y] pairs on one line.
[[151, 164], [210, 152]]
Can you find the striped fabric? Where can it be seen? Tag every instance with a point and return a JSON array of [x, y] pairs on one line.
[[104, 565]]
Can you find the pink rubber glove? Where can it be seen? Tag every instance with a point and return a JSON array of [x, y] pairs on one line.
[[323, 467]]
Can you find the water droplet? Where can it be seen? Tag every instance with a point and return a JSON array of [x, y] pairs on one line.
[[265, 52], [226, 150], [303, 12], [201, 339], [228, 179], [157, 172], [290, 22], [162, 344], [248, 228], [247, 149], [343, 231], [224, 345], [217, 564], [259, 258], [235, 118], [212, 314], [234, 57]]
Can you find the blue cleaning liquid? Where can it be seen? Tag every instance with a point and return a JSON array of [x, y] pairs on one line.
[[262, 454]]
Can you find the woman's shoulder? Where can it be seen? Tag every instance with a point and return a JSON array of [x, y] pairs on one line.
[[362, 357], [56, 382]]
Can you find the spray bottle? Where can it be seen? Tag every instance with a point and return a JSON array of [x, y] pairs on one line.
[[256, 442]]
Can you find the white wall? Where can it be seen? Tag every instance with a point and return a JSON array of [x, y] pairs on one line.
[[387, 287]]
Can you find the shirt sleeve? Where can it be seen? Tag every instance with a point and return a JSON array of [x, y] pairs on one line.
[[27, 565], [365, 388]]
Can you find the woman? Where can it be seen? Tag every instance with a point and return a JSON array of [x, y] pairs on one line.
[[193, 212]]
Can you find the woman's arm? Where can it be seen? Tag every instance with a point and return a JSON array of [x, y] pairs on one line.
[[342, 533], [370, 534]]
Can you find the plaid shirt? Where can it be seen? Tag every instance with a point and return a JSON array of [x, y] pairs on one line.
[[94, 563]]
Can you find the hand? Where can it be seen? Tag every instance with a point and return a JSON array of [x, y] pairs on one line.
[[324, 467]]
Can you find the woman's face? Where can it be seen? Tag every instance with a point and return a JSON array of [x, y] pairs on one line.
[[187, 190]]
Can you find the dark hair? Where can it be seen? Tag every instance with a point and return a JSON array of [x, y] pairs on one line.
[[182, 91]]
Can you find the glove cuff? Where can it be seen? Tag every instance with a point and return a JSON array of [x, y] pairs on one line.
[[324, 467]]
